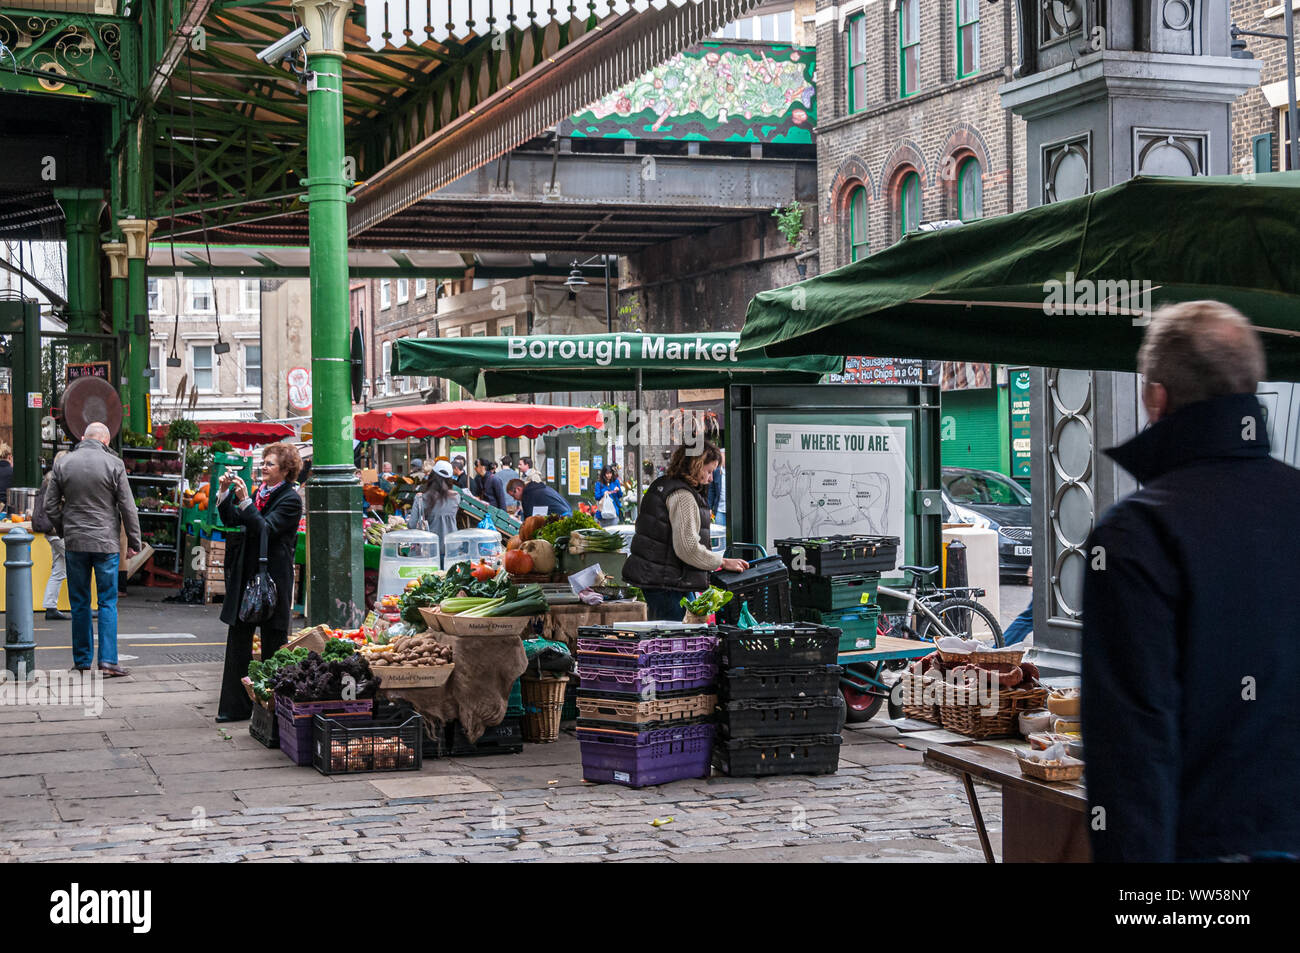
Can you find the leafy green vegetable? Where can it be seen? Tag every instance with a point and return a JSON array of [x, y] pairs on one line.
[[564, 526], [710, 600], [263, 673]]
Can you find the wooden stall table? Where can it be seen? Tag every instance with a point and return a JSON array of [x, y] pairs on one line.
[[1042, 821], [563, 621]]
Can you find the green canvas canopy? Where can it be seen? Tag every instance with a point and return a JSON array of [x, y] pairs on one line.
[[1064, 285], [492, 366]]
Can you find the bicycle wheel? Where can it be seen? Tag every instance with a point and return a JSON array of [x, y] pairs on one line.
[[965, 618]]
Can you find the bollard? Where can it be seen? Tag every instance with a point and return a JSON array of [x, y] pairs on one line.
[[20, 642], [956, 575]]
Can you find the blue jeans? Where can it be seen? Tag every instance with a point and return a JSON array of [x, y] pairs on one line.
[[721, 518], [83, 641], [1021, 626], [664, 604]]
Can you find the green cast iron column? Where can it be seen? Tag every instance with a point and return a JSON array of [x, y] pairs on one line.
[[335, 566], [137, 232], [118, 268], [81, 211]]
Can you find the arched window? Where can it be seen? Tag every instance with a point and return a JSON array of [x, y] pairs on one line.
[[858, 245], [970, 190], [909, 203]]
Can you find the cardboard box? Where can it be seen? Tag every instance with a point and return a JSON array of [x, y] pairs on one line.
[[397, 677], [311, 639], [506, 625]]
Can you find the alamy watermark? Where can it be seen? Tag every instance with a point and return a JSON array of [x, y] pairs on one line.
[[1085, 296], [54, 689]]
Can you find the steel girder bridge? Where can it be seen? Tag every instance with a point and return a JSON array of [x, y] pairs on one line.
[[131, 121]]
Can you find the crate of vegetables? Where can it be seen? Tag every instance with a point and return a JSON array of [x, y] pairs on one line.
[[349, 746], [338, 687], [511, 613], [411, 661]]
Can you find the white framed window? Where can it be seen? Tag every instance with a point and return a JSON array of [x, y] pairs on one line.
[[451, 333], [385, 294], [478, 330], [250, 296], [155, 296], [403, 291], [204, 375], [421, 287], [252, 367], [506, 329], [157, 369], [202, 298]]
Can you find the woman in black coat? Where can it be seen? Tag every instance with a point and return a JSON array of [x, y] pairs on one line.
[[273, 509]]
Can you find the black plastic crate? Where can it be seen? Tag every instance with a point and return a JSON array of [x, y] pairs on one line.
[[839, 555], [435, 736], [363, 745], [764, 586], [761, 718], [826, 593], [740, 758], [817, 681], [797, 643], [264, 727], [505, 738]]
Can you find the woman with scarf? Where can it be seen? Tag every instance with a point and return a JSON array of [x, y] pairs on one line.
[[272, 510]]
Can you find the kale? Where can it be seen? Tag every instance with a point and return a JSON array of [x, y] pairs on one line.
[[317, 679]]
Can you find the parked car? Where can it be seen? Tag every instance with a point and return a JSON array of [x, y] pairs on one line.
[[990, 500]]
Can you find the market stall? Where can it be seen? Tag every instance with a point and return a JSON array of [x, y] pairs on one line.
[[244, 434]]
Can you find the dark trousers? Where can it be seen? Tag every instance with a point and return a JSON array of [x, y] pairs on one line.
[[664, 604], [235, 702]]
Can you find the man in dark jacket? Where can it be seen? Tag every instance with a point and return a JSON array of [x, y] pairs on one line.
[[534, 495], [1189, 665], [88, 501]]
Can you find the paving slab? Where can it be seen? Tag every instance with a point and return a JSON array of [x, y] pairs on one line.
[[36, 743], [428, 785], [55, 761], [877, 753], [307, 794], [284, 775], [217, 760], [35, 807], [144, 806], [45, 729]]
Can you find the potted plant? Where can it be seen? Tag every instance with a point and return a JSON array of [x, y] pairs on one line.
[[178, 430]]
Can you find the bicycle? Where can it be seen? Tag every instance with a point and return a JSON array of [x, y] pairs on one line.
[[929, 614]]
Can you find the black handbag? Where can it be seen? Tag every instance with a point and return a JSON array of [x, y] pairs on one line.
[[257, 603]]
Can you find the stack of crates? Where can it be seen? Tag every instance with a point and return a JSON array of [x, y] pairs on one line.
[[834, 582], [646, 698], [781, 708], [214, 568]]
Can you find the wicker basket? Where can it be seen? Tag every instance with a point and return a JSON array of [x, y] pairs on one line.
[[1051, 772], [969, 718], [543, 702], [920, 686], [988, 657]]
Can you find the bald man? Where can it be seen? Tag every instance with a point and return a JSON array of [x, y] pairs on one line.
[[1190, 664], [89, 501]]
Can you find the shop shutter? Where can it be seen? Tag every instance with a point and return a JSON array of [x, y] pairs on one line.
[[974, 429]]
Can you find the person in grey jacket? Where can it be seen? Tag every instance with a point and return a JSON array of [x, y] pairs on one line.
[[88, 501]]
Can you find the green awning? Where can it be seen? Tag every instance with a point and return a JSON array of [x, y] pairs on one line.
[[492, 366], [1062, 285]]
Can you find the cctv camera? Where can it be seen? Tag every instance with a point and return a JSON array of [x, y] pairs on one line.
[[286, 46]]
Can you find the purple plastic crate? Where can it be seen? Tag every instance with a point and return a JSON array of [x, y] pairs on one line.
[[637, 759], [658, 645], [645, 659], [652, 678], [295, 722]]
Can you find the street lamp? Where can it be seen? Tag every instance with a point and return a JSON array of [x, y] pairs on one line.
[[1239, 51]]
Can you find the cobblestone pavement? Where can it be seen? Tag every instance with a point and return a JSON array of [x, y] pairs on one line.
[[153, 778]]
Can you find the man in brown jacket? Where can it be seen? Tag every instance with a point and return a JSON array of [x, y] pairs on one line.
[[89, 501]]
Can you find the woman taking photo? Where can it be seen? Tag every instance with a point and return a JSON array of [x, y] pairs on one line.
[[608, 484], [671, 554], [271, 511], [435, 506]]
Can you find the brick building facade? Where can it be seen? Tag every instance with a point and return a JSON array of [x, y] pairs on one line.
[[909, 116], [1259, 115]]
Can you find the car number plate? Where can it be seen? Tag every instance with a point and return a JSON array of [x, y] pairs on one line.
[[1024, 550]]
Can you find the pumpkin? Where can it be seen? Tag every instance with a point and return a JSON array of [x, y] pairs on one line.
[[543, 555], [531, 526], [514, 542], [518, 562]]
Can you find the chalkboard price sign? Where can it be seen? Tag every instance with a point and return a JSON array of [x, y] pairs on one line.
[[92, 369]]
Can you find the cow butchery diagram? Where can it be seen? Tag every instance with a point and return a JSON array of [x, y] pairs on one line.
[[835, 479]]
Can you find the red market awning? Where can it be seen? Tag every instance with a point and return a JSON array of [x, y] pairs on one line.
[[472, 418], [243, 433]]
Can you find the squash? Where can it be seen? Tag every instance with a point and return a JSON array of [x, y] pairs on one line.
[[531, 526], [514, 542], [518, 562], [542, 553]]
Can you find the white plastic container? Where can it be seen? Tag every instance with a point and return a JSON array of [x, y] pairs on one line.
[[627, 531], [473, 545], [406, 555], [717, 538]]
